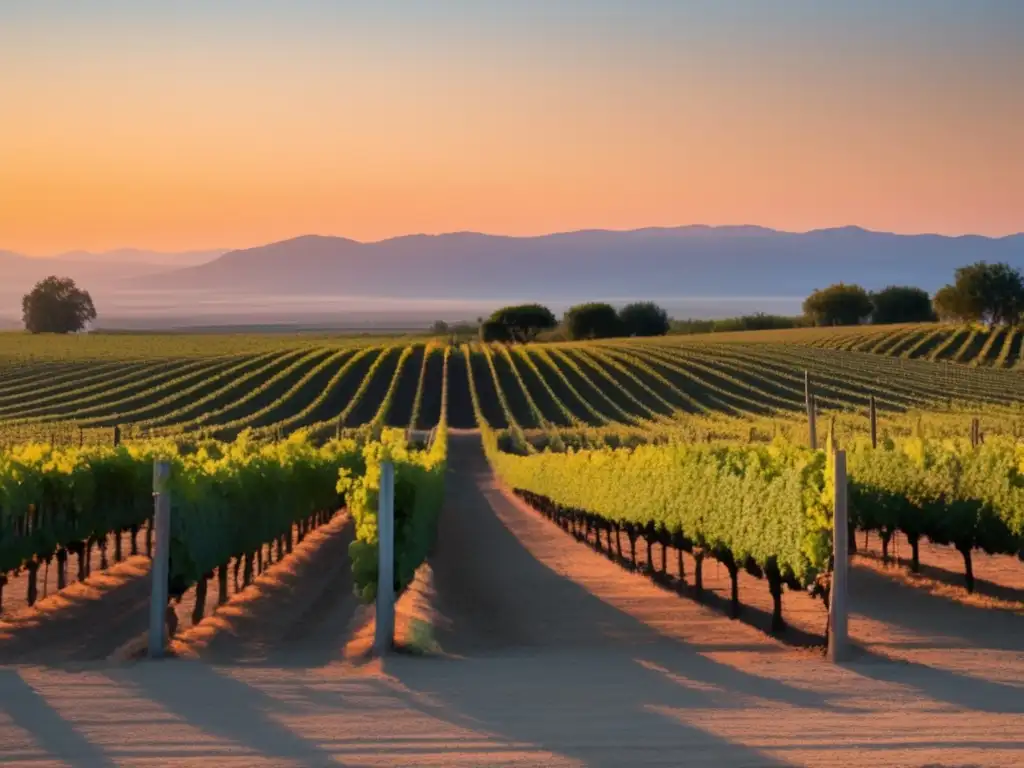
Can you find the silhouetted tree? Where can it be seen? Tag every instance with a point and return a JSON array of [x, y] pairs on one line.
[[492, 330], [644, 318], [982, 292], [56, 305], [839, 304], [901, 304], [592, 321], [524, 321]]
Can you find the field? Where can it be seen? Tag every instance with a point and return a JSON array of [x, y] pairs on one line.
[[586, 607], [79, 388]]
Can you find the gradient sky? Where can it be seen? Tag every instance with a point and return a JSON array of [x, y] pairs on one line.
[[195, 123]]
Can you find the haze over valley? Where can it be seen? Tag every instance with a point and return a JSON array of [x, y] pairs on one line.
[[406, 282]]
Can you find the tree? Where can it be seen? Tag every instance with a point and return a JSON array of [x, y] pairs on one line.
[[592, 321], [901, 304], [644, 318], [524, 321], [839, 304], [981, 292], [439, 328], [56, 305], [492, 330]]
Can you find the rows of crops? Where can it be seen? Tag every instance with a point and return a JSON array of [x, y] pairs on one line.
[[976, 346], [234, 503], [331, 386]]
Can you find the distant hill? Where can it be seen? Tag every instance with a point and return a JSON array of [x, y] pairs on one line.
[[136, 257], [695, 271], [685, 261]]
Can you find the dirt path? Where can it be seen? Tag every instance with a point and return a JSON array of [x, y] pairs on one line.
[[553, 656]]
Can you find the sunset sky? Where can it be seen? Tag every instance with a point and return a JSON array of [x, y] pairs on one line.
[[202, 124]]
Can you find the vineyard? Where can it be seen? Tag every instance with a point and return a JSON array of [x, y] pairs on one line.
[[634, 499], [78, 390], [975, 346]]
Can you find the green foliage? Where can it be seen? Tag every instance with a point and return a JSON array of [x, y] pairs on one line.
[[643, 318], [523, 321], [901, 304], [944, 490], [57, 305], [419, 493], [982, 292], [495, 330], [839, 304], [767, 504], [227, 499], [756, 322], [592, 321]]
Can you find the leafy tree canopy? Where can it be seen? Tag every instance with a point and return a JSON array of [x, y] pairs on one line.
[[592, 321], [982, 292], [57, 305], [492, 330], [839, 304], [524, 321], [901, 304], [644, 318]]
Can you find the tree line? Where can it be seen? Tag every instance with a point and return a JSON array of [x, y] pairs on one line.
[[984, 293], [524, 323], [992, 294]]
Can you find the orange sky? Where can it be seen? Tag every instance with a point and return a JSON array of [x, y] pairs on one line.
[[236, 129]]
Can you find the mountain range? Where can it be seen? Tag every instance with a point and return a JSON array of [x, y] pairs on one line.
[[684, 261], [719, 270]]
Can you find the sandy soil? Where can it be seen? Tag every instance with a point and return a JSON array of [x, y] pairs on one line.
[[548, 654]]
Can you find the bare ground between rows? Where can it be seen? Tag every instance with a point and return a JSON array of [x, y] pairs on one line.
[[506, 580], [998, 579], [106, 616], [299, 608]]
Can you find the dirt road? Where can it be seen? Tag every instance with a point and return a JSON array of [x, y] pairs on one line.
[[552, 655]]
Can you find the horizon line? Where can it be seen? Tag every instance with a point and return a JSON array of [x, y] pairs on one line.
[[557, 233]]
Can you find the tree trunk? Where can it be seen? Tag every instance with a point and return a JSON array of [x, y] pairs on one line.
[[81, 563], [968, 567], [62, 568], [46, 577], [618, 540], [664, 557], [698, 574], [775, 587], [734, 577], [886, 536], [222, 584], [103, 554], [247, 570], [3, 583], [33, 582], [259, 560], [149, 537], [649, 564], [135, 540], [88, 557], [851, 539], [289, 542], [238, 567], [280, 548], [118, 553], [679, 562], [915, 556], [632, 546], [200, 607]]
